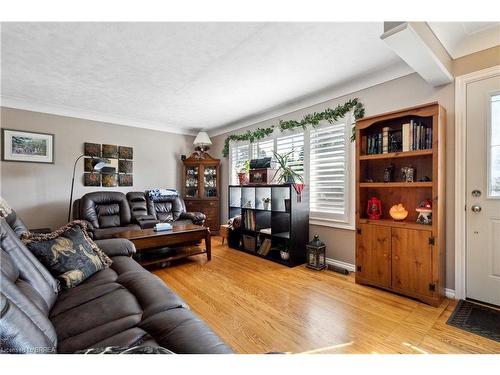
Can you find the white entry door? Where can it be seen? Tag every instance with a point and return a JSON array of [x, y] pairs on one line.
[[483, 190]]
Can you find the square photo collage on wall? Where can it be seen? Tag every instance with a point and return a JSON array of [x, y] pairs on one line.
[[118, 170]]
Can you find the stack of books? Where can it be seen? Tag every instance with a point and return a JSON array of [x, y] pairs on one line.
[[249, 219], [416, 136], [410, 137]]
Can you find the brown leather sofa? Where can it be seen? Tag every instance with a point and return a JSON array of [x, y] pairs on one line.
[[110, 212], [123, 305]]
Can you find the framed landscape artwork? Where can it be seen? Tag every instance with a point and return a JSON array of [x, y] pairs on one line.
[[26, 146]]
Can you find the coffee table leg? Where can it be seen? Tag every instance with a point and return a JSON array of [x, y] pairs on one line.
[[208, 244]]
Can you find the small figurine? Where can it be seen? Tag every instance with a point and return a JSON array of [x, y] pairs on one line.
[[408, 174], [388, 173], [424, 210]]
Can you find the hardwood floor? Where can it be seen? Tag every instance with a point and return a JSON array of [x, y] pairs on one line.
[[258, 306]]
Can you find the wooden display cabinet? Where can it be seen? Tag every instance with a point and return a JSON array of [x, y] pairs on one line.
[[201, 187], [402, 256]]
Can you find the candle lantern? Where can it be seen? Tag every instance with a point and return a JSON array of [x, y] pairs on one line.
[[316, 254], [374, 209]]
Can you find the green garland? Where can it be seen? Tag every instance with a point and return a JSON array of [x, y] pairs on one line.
[[313, 119]]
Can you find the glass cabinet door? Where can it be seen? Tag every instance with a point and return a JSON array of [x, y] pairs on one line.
[[210, 181], [192, 181]]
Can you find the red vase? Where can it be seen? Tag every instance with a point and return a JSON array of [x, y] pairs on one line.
[[374, 208]]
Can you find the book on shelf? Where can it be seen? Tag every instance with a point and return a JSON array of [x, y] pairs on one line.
[[250, 220], [265, 247]]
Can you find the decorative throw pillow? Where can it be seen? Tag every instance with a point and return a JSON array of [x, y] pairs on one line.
[[139, 349], [68, 253]]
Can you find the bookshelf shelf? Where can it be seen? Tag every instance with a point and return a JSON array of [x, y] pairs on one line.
[[393, 155], [267, 229], [387, 185], [396, 224], [402, 256]]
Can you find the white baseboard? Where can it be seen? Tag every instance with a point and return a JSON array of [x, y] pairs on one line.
[[334, 262], [449, 293]]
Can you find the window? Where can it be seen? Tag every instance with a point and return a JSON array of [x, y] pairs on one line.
[[293, 142], [494, 148], [263, 149], [240, 153], [330, 178], [324, 157]]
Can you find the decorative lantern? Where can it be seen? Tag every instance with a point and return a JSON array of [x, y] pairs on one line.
[[316, 254], [374, 209]]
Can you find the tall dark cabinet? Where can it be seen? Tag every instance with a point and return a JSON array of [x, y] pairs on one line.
[[201, 187], [274, 222]]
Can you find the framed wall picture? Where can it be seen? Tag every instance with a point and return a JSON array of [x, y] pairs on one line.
[[110, 151], [92, 149], [125, 179], [24, 146], [125, 152]]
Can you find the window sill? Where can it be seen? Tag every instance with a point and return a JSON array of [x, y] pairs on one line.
[[332, 223]]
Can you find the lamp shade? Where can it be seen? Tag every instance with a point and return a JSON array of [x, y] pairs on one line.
[[202, 139], [98, 164]]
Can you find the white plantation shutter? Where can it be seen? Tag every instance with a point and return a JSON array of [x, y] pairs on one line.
[[329, 172], [239, 154], [263, 149], [293, 142]]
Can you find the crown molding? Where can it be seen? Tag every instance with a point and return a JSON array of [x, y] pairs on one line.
[[34, 106], [389, 73]]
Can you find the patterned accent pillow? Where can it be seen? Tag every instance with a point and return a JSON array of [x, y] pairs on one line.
[[68, 253], [139, 349]]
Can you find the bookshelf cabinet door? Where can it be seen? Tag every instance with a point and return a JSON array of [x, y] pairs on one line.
[[374, 254], [412, 261]]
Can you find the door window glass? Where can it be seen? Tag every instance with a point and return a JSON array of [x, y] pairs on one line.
[[494, 148]]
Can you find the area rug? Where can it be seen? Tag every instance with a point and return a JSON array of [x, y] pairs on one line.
[[478, 319]]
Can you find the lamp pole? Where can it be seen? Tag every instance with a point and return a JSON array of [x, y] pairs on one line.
[[72, 186]]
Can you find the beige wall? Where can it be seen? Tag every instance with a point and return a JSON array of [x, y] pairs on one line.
[[40, 192], [476, 61], [407, 91]]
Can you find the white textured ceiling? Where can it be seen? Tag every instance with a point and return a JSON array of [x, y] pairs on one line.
[[464, 38], [182, 76]]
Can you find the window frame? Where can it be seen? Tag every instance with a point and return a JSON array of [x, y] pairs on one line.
[[346, 221]]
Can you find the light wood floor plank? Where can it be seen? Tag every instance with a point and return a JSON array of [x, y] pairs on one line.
[[258, 306]]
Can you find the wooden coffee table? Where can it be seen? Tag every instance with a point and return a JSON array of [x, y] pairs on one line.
[[149, 240]]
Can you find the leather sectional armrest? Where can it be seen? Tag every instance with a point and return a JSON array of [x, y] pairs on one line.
[[116, 247], [197, 218]]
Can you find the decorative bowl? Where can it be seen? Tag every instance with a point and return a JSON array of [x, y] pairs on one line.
[[398, 212]]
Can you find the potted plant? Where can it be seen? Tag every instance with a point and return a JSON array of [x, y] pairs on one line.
[[286, 173], [266, 201], [243, 168]]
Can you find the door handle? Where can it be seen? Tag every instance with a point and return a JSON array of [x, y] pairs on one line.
[[476, 208]]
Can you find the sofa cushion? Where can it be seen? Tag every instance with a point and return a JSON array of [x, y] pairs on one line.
[[107, 308], [105, 209], [27, 267], [68, 253]]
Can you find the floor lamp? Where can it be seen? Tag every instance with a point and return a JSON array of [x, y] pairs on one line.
[[97, 165]]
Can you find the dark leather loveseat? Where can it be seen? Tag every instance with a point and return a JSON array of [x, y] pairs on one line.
[[123, 305], [110, 212]]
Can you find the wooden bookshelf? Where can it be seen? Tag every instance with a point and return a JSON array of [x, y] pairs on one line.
[[402, 256], [284, 224]]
